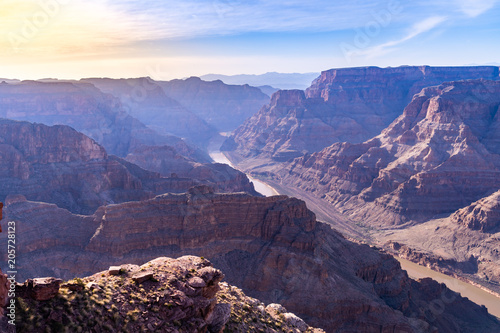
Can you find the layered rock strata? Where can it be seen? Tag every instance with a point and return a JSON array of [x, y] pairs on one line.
[[87, 109], [483, 215], [271, 247], [56, 164], [440, 155], [180, 295], [349, 104], [439, 158]]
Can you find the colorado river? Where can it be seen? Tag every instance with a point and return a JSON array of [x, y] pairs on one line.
[[475, 294], [259, 186]]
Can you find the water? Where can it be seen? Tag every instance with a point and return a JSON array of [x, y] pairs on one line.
[[475, 294], [259, 186]]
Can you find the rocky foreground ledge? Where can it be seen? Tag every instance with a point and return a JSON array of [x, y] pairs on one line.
[[163, 295]]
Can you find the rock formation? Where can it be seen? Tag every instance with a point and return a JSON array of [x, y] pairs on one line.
[[58, 165], [83, 107], [166, 161], [350, 104], [483, 215], [180, 295], [223, 106], [440, 155], [144, 99], [273, 248]]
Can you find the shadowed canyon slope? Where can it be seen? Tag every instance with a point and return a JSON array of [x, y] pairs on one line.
[[145, 99], [271, 247], [223, 106], [350, 104], [85, 108], [441, 155], [60, 165]]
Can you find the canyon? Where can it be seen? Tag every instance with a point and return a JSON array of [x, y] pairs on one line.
[[348, 104], [428, 181], [59, 165], [440, 156], [406, 159], [85, 108], [273, 248]]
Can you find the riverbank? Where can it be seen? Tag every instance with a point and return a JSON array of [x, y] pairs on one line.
[[259, 186], [475, 293]]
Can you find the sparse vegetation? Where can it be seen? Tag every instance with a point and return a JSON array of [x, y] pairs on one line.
[[120, 305]]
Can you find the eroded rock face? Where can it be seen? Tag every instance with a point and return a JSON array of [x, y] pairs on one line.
[[83, 107], [40, 289], [57, 164], [223, 106], [144, 99], [483, 215], [165, 303], [350, 104], [440, 155], [271, 247], [169, 163]]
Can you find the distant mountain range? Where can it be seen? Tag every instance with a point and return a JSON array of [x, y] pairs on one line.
[[276, 80]]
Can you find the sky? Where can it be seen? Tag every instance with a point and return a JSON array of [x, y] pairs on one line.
[[71, 39]]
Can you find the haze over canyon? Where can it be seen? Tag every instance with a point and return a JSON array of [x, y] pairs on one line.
[[122, 215]]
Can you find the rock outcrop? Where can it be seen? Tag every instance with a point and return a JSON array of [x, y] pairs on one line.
[[483, 215], [350, 104], [273, 248], [144, 99], [40, 289], [59, 165], [223, 106], [442, 154], [183, 295], [84, 107], [169, 163]]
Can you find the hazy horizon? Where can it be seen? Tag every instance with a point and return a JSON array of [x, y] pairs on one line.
[[71, 39]]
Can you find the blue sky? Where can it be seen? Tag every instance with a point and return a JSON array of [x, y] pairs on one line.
[[171, 39]]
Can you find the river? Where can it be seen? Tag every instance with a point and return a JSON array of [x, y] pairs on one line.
[[259, 186], [475, 294]]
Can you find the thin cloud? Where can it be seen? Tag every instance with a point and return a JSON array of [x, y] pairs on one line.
[[192, 18], [416, 30], [474, 8]]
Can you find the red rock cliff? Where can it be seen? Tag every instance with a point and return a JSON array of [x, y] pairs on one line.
[[349, 104], [272, 247]]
